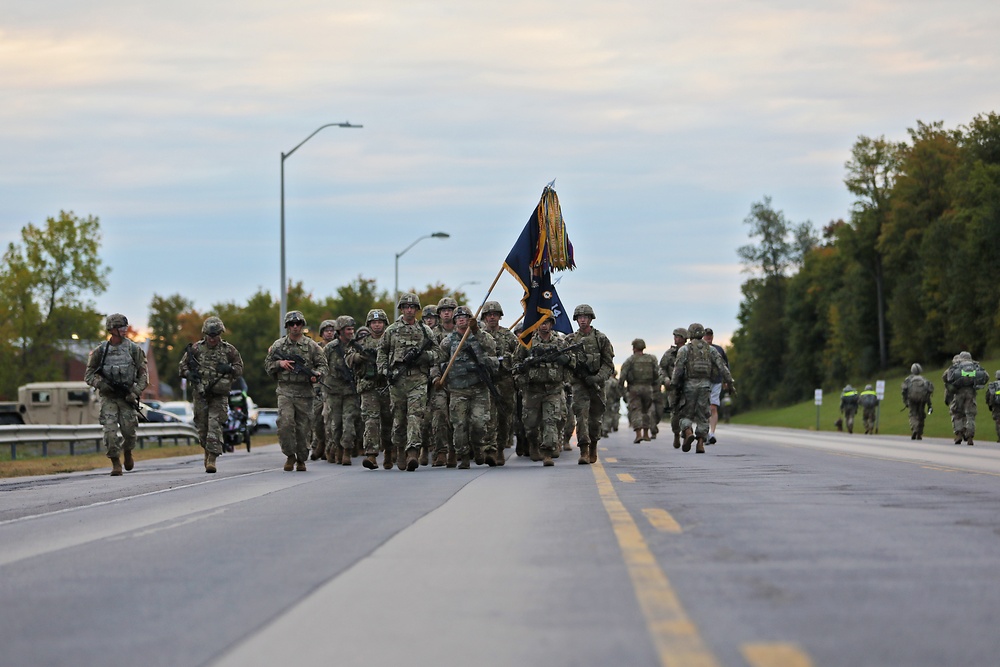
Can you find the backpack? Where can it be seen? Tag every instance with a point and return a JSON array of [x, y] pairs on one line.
[[968, 374], [869, 400], [644, 369], [917, 391]]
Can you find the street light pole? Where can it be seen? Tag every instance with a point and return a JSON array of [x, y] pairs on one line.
[[284, 287], [435, 235]]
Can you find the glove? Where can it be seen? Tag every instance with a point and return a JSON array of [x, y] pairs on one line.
[[563, 359], [224, 368], [473, 324], [594, 381]]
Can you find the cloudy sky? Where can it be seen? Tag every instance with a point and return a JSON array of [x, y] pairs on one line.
[[662, 122]]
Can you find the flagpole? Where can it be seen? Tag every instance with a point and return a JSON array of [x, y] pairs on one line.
[[440, 381]]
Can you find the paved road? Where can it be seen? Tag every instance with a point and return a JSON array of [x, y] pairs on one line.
[[776, 547]]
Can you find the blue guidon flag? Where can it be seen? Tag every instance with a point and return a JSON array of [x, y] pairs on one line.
[[542, 247]]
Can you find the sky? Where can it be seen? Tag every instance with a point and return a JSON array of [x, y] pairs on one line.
[[661, 121]]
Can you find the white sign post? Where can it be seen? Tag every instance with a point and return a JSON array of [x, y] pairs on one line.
[[818, 399], [880, 392]]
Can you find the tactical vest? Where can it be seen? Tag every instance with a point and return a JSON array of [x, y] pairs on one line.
[[207, 360], [367, 371], [548, 372], [918, 390], [869, 399], [699, 360], [464, 372], [849, 398], [968, 374], [993, 394], [400, 338], [118, 365], [644, 369]]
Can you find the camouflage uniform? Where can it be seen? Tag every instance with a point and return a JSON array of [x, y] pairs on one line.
[[595, 361], [407, 383], [438, 418], [849, 406], [376, 409], [341, 402], [869, 406], [917, 392], [327, 328], [961, 382], [675, 399], [612, 406], [540, 371], [210, 372], [502, 408], [638, 377], [993, 401], [118, 372], [295, 392], [693, 371], [469, 393]]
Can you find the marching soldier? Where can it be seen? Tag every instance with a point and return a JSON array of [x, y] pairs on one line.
[[340, 395], [501, 408], [595, 360], [117, 370], [440, 421], [376, 411], [327, 332], [297, 363], [674, 396], [405, 355], [869, 404], [696, 362], [638, 376], [849, 406], [917, 391], [210, 366], [962, 380]]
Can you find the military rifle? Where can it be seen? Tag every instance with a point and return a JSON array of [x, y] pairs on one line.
[[117, 388], [535, 358], [298, 364], [409, 358]]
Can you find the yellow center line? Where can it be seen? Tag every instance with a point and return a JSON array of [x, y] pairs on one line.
[[625, 477], [676, 638], [775, 655], [661, 520], [610, 459]]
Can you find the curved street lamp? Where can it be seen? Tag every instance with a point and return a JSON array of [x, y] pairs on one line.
[[284, 287], [435, 235]]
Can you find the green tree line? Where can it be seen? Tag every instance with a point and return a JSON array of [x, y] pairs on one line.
[[905, 277]]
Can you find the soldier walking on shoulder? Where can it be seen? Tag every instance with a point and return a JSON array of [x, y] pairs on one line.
[[638, 377], [297, 362], [696, 363], [962, 380], [993, 401], [327, 332], [849, 406], [675, 397], [917, 391], [210, 366], [595, 361], [117, 370], [869, 405], [376, 411]]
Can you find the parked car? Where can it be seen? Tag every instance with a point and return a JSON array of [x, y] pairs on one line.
[[267, 420], [184, 410], [153, 415]]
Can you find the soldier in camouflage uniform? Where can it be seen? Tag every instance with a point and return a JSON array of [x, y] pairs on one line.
[[595, 360], [340, 395], [868, 399], [962, 380], [468, 383], [993, 401], [849, 406], [297, 363], [638, 377], [696, 362], [117, 370], [431, 319], [540, 371], [327, 332], [612, 405], [917, 392], [501, 426], [440, 420], [405, 355], [674, 398], [430, 316], [210, 366], [376, 410]]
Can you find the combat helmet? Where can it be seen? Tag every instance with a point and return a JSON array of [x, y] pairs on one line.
[[328, 323], [682, 332], [462, 311], [447, 302], [639, 344], [492, 307], [345, 321], [868, 387], [696, 330], [376, 314], [213, 326], [916, 369], [294, 316], [583, 309], [408, 299], [430, 311], [115, 321]]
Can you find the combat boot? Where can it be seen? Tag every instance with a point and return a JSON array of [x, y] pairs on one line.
[[400, 458], [439, 460], [653, 432], [969, 442], [370, 462], [452, 458], [593, 452], [129, 461], [387, 458], [116, 466], [464, 465], [501, 458], [584, 455], [547, 460], [638, 436], [210, 463], [958, 438], [424, 456], [480, 458], [412, 461], [688, 439], [491, 459], [566, 446], [677, 440], [206, 457], [700, 448], [289, 464], [345, 458], [332, 456], [300, 466], [533, 452]]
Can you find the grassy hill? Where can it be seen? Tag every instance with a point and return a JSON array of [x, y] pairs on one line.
[[892, 420]]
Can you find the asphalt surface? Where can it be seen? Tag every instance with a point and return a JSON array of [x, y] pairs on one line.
[[775, 547]]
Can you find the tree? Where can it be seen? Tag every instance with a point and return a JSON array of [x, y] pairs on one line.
[[167, 333], [45, 283]]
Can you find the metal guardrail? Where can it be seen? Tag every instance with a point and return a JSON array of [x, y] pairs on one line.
[[41, 436]]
